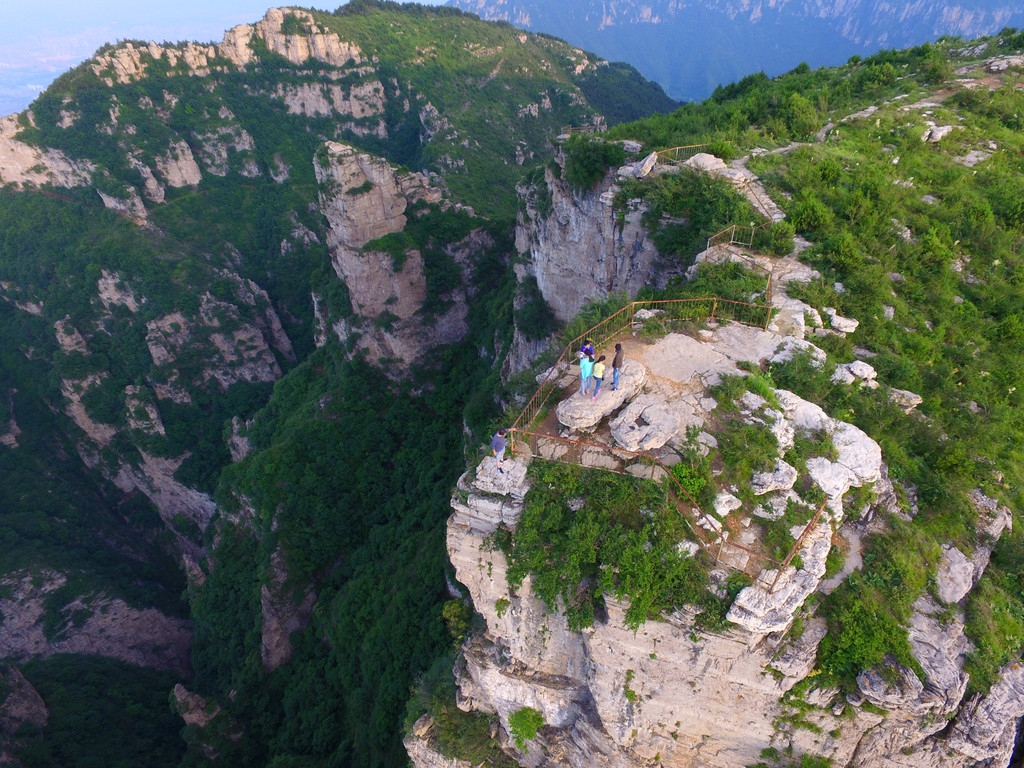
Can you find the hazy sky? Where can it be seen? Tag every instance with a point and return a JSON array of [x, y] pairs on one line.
[[40, 39]]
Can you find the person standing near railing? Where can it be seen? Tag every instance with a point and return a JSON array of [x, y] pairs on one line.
[[617, 366], [598, 376], [498, 448], [586, 371]]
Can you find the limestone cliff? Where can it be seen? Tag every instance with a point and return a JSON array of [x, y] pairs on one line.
[[672, 693], [580, 248], [176, 165], [23, 164], [364, 200], [237, 338]]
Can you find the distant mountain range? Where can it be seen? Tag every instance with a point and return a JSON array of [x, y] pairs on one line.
[[691, 46]]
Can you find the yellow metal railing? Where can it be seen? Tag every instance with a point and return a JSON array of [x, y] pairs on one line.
[[575, 451], [681, 154]]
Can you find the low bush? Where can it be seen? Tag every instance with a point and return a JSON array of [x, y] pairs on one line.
[[524, 724], [587, 159], [621, 540]]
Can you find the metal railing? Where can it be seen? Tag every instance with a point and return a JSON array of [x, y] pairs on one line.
[[737, 234], [734, 234], [798, 543], [617, 459], [670, 310], [681, 154], [759, 203]]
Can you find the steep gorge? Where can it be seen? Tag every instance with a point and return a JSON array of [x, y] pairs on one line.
[[187, 226], [263, 346]]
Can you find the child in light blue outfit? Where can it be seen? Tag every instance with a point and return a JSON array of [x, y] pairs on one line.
[[586, 371]]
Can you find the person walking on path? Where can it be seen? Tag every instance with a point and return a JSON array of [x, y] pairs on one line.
[[586, 371], [498, 447], [617, 366], [598, 376], [587, 349]]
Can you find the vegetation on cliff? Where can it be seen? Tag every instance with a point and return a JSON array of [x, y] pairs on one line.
[[346, 488], [236, 243], [920, 240], [585, 533]]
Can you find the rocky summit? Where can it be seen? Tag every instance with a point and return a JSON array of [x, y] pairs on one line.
[[675, 694]]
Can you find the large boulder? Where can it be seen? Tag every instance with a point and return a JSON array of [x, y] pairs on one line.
[[781, 478], [940, 646], [892, 687], [987, 726], [582, 413], [649, 422]]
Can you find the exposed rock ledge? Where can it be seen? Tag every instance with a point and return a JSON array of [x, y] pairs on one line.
[[364, 199], [22, 163], [674, 696], [111, 627]]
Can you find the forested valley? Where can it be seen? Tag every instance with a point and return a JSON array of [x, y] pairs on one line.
[[208, 424]]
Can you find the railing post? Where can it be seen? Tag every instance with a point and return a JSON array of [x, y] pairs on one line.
[[714, 308]]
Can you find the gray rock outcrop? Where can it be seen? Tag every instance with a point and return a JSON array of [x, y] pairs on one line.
[[955, 576], [22, 164], [581, 413], [611, 249], [781, 479], [283, 612], [364, 199], [986, 730], [613, 697], [22, 712], [95, 624]]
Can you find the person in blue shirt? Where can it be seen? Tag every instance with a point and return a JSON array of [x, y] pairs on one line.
[[586, 371]]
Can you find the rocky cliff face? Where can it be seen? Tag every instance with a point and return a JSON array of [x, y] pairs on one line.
[[22, 706], [89, 624], [579, 249], [364, 200], [236, 339], [176, 165], [21, 163], [672, 694], [307, 41]]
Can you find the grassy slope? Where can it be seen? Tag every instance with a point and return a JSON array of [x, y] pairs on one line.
[[956, 335]]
